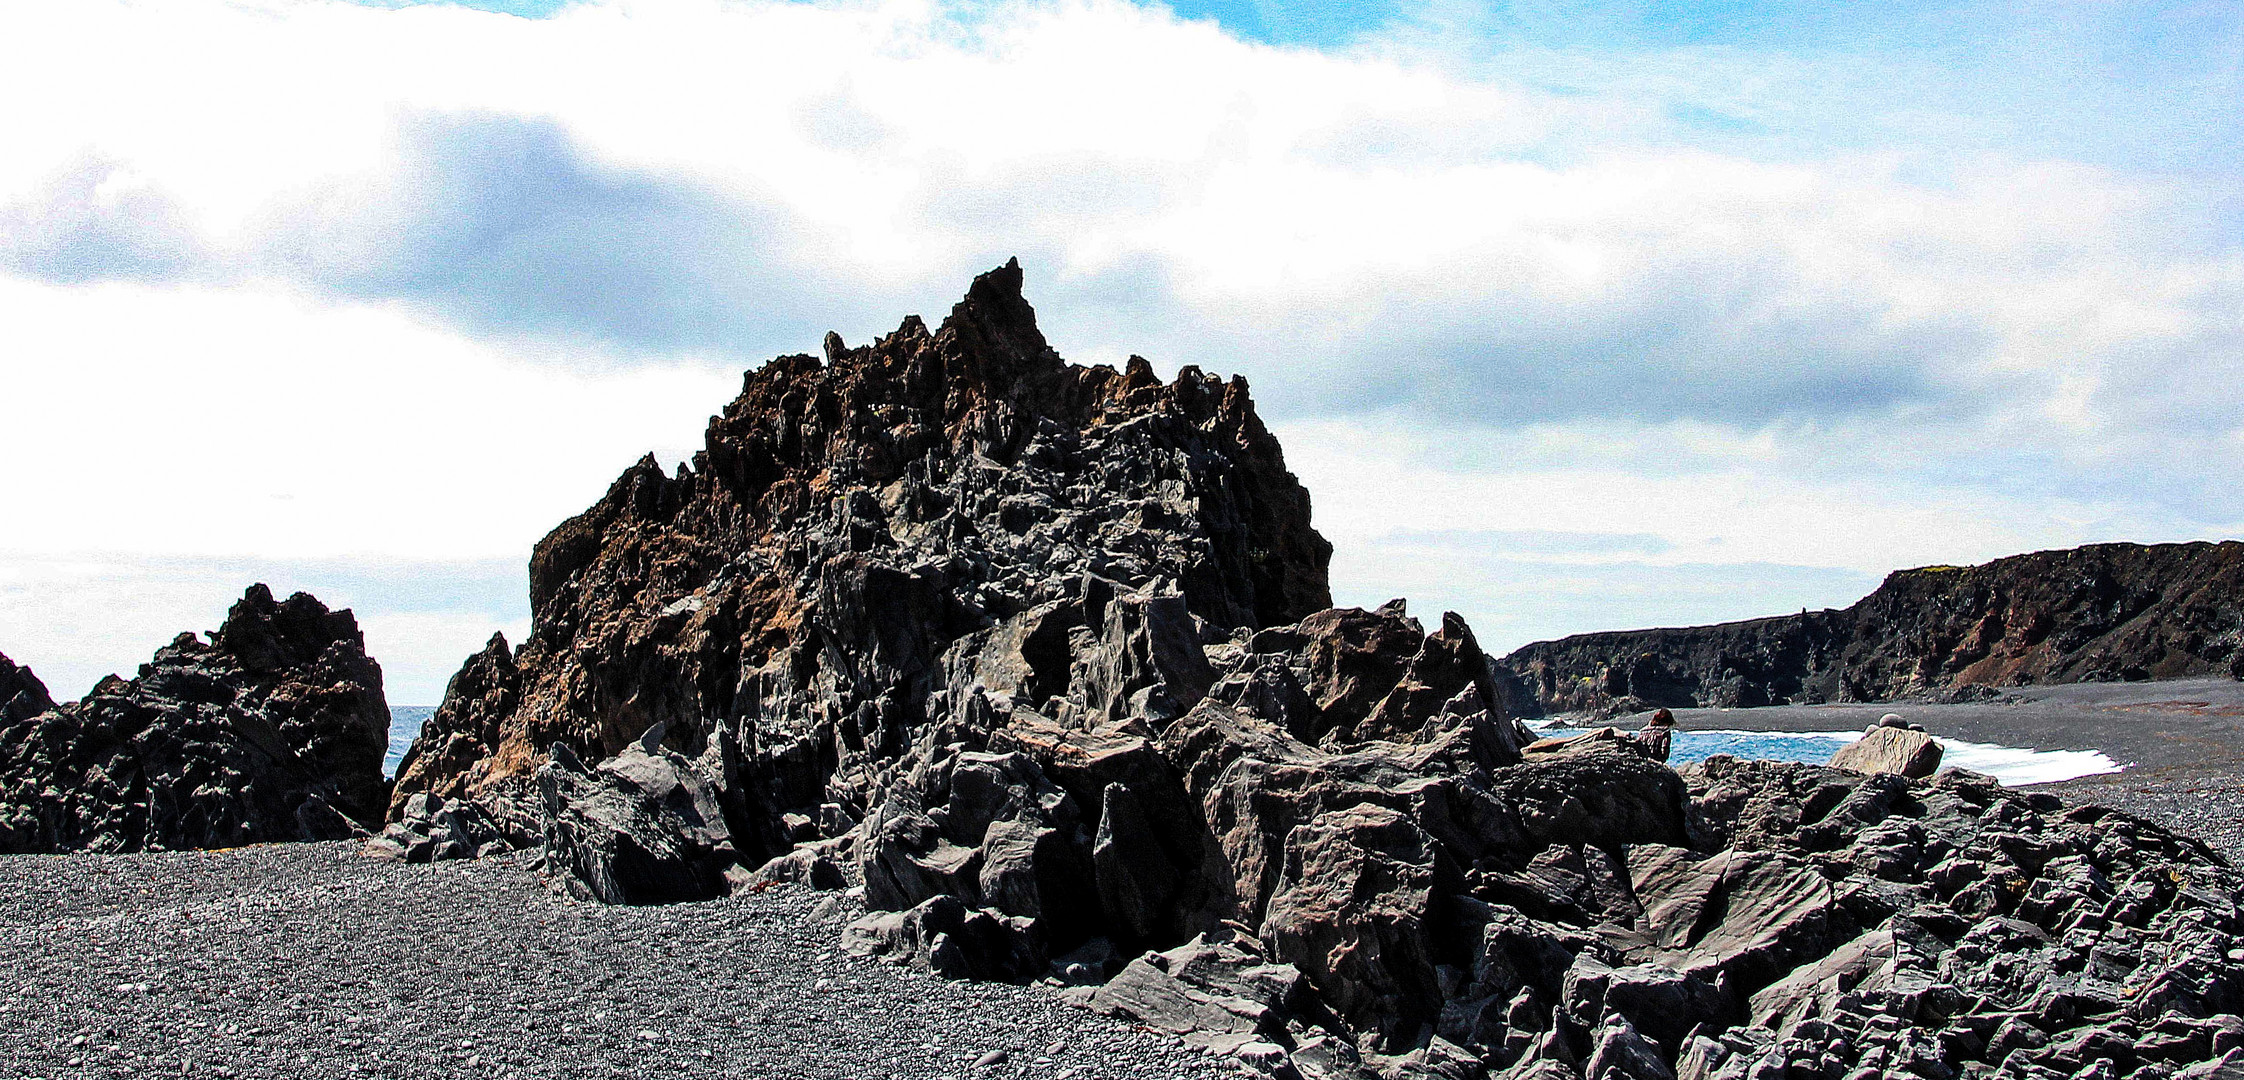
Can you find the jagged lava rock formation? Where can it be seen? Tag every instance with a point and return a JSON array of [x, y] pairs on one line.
[[1041, 659], [2106, 612], [813, 579], [273, 729]]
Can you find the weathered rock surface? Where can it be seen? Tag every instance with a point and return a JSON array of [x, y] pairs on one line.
[[642, 827], [1913, 754], [433, 828], [454, 749], [864, 539], [943, 935], [1042, 659], [271, 729], [2104, 612]]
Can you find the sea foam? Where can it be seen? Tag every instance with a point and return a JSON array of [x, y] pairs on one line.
[[2009, 764]]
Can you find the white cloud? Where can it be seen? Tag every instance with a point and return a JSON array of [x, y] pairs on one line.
[[304, 279], [420, 650], [190, 420]]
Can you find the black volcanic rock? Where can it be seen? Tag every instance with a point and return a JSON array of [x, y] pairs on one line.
[[455, 744], [1041, 657], [867, 537], [2102, 613], [273, 729], [22, 695], [642, 827]]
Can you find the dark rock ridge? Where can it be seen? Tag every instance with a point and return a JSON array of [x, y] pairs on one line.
[[1040, 659], [272, 729], [864, 537], [2105, 612]]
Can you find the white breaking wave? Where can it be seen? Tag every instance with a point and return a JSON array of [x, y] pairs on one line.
[[2012, 765], [2009, 764]]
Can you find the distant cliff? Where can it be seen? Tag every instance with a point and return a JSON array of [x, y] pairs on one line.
[[2102, 613]]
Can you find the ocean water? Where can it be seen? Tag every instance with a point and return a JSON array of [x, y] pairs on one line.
[[2009, 764], [405, 724]]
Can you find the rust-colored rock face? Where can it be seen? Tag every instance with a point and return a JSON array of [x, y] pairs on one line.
[[848, 521]]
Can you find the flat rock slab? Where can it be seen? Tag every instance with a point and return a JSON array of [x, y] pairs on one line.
[[1913, 754], [312, 960]]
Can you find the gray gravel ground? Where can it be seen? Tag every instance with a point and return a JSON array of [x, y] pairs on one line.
[[311, 960], [2207, 806]]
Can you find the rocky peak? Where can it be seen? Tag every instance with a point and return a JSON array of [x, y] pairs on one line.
[[22, 695], [1041, 657], [853, 517], [997, 327], [264, 636], [273, 729]]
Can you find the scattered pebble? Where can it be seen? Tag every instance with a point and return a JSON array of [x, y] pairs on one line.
[[2207, 807], [293, 960]]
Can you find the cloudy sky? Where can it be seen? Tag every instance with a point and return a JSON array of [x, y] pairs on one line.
[[1572, 316]]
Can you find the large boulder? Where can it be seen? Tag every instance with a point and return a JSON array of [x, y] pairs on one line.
[[1357, 908], [989, 829], [1448, 663], [1606, 795], [642, 827], [1620, 1052], [944, 936], [270, 728], [433, 828], [1221, 993], [1255, 785], [1741, 919], [1355, 659], [1146, 663], [1159, 872], [1661, 1002], [1913, 754]]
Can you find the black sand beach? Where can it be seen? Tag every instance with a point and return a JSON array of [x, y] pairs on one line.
[[312, 960]]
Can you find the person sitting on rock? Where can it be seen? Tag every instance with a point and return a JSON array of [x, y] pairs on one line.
[[1657, 734]]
